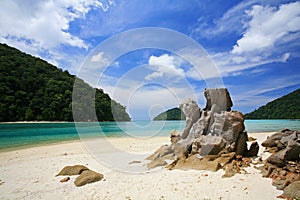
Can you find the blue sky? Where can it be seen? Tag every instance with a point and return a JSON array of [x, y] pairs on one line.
[[254, 46]]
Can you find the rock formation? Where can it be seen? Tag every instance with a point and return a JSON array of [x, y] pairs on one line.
[[85, 175], [283, 166], [211, 139]]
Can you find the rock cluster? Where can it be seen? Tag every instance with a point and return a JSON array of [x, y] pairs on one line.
[[283, 166], [85, 175], [212, 138]]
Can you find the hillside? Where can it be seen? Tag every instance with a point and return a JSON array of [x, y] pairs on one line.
[[33, 90], [286, 107], [171, 114]]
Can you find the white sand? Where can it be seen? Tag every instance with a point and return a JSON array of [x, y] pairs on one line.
[[30, 174]]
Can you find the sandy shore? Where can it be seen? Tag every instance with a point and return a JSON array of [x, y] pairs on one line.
[[30, 174]]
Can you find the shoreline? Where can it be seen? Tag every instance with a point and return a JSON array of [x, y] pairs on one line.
[[49, 143]]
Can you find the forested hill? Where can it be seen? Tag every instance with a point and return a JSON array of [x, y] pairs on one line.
[[33, 90], [171, 114], [286, 107]]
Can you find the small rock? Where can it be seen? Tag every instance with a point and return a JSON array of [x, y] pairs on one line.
[[66, 179], [253, 151], [134, 162], [251, 139]]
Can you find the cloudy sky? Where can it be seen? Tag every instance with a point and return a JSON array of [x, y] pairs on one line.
[[251, 47]]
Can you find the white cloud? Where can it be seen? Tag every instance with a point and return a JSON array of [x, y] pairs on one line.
[[139, 98], [270, 33], [99, 58], [268, 26], [41, 27], [164, 65], [285, 57]]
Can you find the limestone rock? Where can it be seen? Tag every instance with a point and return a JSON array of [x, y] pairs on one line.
[[192, 113], [194, 162], [212, 145], [162, 151], [175, 136], [253, 150], [72, 170], [201, 126], [241, 144], [292, 190], [268, 142], [211, 139], [156, 163], [88, 176], [218, 96]]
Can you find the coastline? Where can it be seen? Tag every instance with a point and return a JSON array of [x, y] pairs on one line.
[[30, 173]]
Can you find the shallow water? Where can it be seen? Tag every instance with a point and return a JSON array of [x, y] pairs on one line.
[[18, 135]]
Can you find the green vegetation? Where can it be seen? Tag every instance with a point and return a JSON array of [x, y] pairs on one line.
[[286, 107], [32, 89], [171, 114]]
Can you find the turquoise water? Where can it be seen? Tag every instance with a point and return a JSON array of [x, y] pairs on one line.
[[18, 135]]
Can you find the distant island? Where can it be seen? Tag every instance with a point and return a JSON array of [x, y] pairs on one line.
[[33, 90], [171, 114], [286, 107]]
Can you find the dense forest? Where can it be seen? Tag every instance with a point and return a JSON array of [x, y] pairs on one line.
[[171, 114], [33, 90], [286, 107]]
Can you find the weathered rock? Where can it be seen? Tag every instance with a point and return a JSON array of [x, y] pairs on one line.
[[253, 150], [179, 149], [156, 163], [273, 159], [87, 176], [231, 169], [292, 190], [283, 165], [194, 162], [212, 145], [202, 125], [72, 170], [251, 139], [226, 158], [267, 169], [192, 113], [175, 136], [268, 143], [241, 144], [218, 96], [159, 153]]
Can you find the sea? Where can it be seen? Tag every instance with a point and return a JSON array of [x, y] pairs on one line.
[[22, 135]]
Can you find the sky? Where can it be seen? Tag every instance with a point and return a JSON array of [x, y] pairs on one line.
[[151, 55]]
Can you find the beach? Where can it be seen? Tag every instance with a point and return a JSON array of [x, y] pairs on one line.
[[30, 174]]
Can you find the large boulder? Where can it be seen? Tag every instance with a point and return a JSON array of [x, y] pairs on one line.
[[219, 97]]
